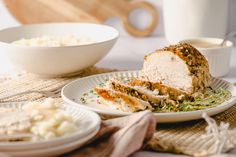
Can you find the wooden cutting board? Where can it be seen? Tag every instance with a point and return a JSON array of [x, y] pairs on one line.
[[41, 11]]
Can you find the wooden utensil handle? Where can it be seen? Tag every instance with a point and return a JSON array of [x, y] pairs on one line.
[[41, 11], [134, 30], [122, 9]]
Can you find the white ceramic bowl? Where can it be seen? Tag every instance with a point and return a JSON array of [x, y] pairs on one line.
[[218, 57], [57, 61]]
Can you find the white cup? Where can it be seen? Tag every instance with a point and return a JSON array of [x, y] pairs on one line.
[[218, 56], [184, 19]]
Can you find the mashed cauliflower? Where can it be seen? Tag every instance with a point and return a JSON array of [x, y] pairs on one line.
[[53, 41], [48, 120]]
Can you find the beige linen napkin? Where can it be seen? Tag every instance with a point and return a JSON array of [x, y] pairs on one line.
[[119, 137]]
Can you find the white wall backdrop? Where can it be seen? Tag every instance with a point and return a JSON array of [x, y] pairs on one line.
[[6, 20], [232, 15]]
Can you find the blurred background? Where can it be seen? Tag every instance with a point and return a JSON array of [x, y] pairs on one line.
[[144, 25], [138, 17]]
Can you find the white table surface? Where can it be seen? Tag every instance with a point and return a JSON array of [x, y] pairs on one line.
[[128, 54]]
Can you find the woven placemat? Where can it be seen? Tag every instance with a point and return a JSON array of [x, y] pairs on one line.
[[188, 137], [27, 81], [185, 137]]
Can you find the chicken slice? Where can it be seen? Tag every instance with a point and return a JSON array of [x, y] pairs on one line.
[[122, 101]]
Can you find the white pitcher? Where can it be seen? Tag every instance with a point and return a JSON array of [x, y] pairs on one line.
[[195, 18]]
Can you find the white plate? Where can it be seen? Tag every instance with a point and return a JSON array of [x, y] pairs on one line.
[[72, 93], [86, 121], [52, 151]]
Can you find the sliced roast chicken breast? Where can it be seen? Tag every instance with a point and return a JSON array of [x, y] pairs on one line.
[[122, 101], [140, 92], [173, 93], [14, 122], [179, 66], [169, 75]]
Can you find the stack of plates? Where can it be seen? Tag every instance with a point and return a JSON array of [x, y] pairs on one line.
[[88, 124]]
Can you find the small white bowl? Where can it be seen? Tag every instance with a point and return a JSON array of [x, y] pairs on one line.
[[57, 61], [218, 56]]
